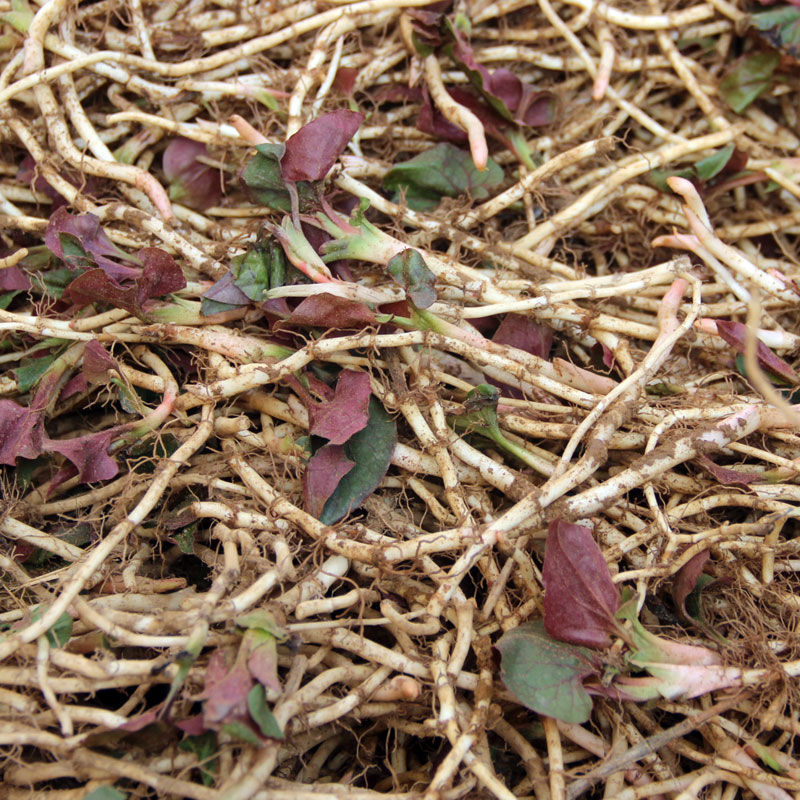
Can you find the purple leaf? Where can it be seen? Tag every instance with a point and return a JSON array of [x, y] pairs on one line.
[[75, 385], [225, 692], [225, 290], [347, 414], [525, 334], [580, 598], [686, 579], [505, 92], [97, 362], [324, 471], [330, 311], [92, 239], [89, 454], [262, 660], [20, 432], [142, 720], [735, 334], [191, 182], [160, 275], [13, 279], [730, 476], [312, 151]]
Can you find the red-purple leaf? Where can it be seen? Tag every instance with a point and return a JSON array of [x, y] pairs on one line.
[[13, 279], [330, 311], [580, 598], [312, 151], [142, 720], [20, 432], [345, 80], [686, 579], [347, 414], [225, 692], [525, 334], [730, 476], [225, 290], [735, 334], [503, 90], [75, 385], [159, 275], [324, 471], [191, 182], [89, 454], [262, 660], [97, 362], [92, 239]]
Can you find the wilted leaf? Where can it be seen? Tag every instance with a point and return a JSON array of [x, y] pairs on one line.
[[61, 632], [191, 182], [780, 27], [204, 746], [225, 692], [748, 78], [444, 170], [89, 454], [735, 334], [371, 451], [325, 469], [523, 333], [160, 275], [78, 239], [580, 600], [312, 151], [411, 272], [97, 362], [224, 295], [330, 311], [259, 711], [511, 98], [686, 578], [20, 432], [347, 413], [545, 675], [13, 279], [731, 476]]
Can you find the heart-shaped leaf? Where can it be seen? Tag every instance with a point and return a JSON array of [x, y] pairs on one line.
[[581, 600], [545, 675]]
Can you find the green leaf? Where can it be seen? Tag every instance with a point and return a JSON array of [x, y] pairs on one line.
[[204, 746], [55, 281], [20, 16], [28, 374], [546, 675], [371, 450], [780, 27], [749, 78], [61, 632], [238, 730], [262, 621], [262, 268], [210, 307], [712, 165], [105, 793], [659, 177], [257, 705], [6, 298], [412, 273], [184, 538], [442, 171]]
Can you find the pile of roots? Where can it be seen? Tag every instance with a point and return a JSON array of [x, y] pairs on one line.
[[182, 614]]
